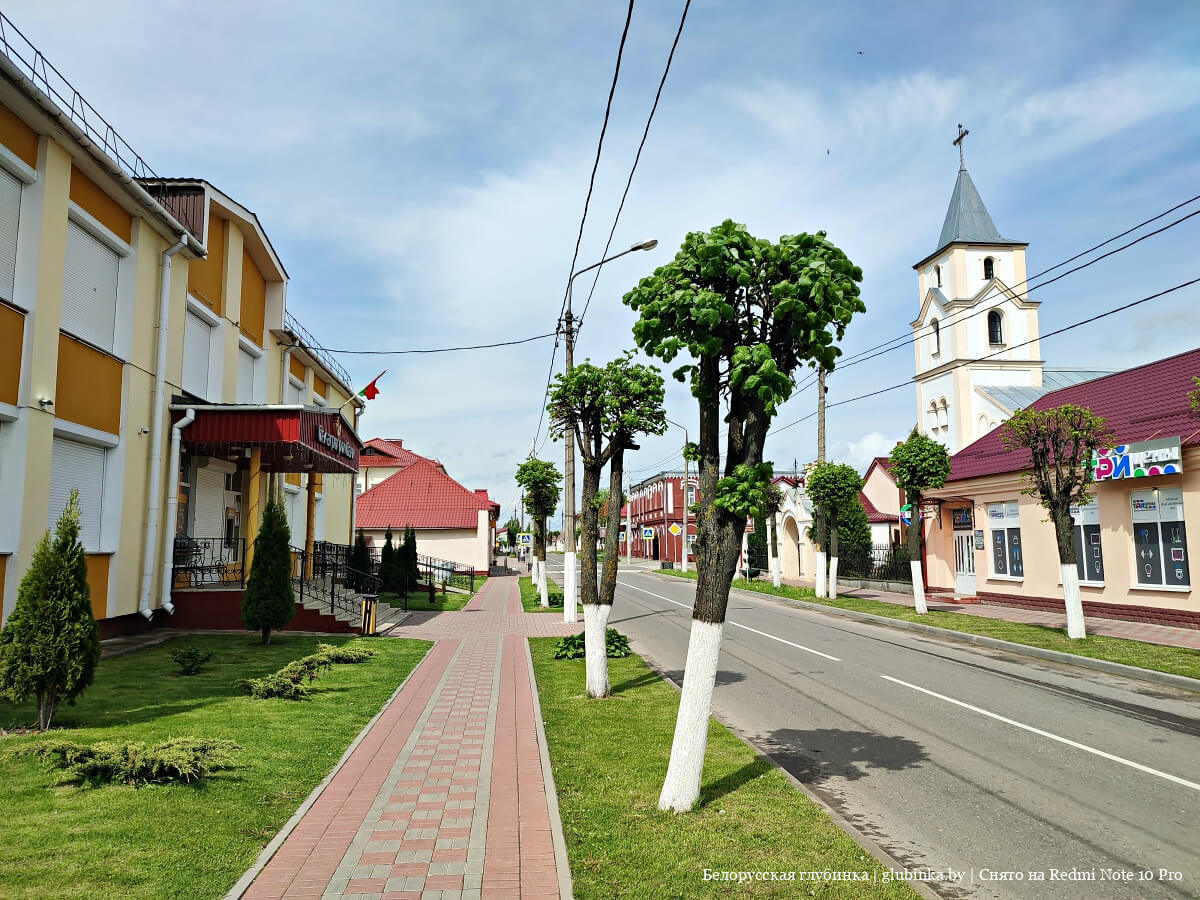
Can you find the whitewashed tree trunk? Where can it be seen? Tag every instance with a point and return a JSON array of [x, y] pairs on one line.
[[918, 583], [1070, 582], [570, 588], [820, 574], [595, 627], [681, 789], [541, 583], [832, 585]]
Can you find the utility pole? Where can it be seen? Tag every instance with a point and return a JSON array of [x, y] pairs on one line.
[[628, 522], [818, 513], [821, 414], [685, 504]]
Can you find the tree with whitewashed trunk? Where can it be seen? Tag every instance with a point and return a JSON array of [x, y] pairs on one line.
[[833, 487], [540, 481], [605, 408], [918, 464], [747, 313], [1062, 442]]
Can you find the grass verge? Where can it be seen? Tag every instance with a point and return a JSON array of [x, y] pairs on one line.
[[531, 602], [609, 758], [183, 840], [1172, 660], [420, 600]]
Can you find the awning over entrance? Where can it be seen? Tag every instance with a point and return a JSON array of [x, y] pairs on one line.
[[290, 438]]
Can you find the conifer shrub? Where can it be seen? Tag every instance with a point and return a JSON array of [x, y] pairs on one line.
[[345, 654], [190, 659], [185, 759], [292, 681], [268, 602], [49, 646]]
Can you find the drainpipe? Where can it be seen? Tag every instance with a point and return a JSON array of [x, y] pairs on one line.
[[156, 428], [168, 551]]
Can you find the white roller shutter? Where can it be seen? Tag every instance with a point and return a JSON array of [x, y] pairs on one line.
[[78, 466], [89, 304], [10, 215], [292, 395], [209, 521], [319, 519], [245, 384], [296, 515], [197, 347]]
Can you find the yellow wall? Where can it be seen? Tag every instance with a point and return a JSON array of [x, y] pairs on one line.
[[205, 276], [87, 195], [254, 300], [88, 390], [18, 137], [319, 386], [97, 578], [12, 331]]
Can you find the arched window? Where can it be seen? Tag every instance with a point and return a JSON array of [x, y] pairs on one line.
[[937, 336], [983, 426], [995, 327], [989, 268], [932, 416], [937, 273], [944, 416]]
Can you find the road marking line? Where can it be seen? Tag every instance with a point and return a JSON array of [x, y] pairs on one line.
[[1046, 734], [734, 624]]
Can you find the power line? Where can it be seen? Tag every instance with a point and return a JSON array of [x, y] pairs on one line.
[[536, 337], [636, 159]]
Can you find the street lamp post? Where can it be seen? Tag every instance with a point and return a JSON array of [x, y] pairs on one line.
[[684, 553], [570, 582]]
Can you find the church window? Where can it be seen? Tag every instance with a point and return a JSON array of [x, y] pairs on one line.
[[995, 327], [937, 337], [944, 416], [937, 273], [932, 416], [989, 268]]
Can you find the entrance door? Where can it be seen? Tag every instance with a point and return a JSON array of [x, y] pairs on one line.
[[964, 564]]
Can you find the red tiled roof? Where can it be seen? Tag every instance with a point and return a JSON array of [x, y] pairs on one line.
[[885, 461], [421, 495], [873, 514], [1138, 404], [392, 455], [390, 446]]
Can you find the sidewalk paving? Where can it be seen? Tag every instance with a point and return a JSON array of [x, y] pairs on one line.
[[1167, 635], [445, 796]]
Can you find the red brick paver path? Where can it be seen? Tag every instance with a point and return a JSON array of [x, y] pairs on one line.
[[445, 796]]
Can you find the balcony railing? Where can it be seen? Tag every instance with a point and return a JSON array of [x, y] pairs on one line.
[[310, 344]]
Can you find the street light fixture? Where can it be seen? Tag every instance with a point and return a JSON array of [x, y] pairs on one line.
[[570, 582]]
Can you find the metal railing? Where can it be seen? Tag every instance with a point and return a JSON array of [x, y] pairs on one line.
[[310, 344], [882, 562], [430, 569], [204, 562], [327, 578], [21, 52]]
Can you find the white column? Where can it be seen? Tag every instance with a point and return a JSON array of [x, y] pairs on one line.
[[772, 550]]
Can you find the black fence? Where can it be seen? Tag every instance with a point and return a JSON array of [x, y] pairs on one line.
[[878, 563], [206, 562]]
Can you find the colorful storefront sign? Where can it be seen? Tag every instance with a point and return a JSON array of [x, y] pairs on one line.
[[1140, 460]]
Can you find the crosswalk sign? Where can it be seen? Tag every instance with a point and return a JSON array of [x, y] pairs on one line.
[[525, 538], [648, 534]]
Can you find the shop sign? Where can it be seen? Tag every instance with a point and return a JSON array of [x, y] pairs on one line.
[[979, 539], [1139, 460], [962, 518], [335, 443]]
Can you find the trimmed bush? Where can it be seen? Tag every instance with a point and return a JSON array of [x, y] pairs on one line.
[[190, 659], [290, 682], [616, 646], [184, 759], [344, 654]]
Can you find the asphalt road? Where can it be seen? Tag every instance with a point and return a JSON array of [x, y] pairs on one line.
[[949, 756]]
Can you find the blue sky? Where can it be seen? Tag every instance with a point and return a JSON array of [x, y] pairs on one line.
[[421, 170]]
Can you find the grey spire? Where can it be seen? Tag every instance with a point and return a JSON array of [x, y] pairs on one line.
[[967, 218]]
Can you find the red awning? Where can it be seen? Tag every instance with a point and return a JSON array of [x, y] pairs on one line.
[[292, 439]]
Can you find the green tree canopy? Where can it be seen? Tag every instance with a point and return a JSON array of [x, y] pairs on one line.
[[918, 464], [540, 481]]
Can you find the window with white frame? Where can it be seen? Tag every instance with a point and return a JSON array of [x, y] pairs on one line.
[[1004, 525], [691, 494], [77, 466], [197, 355], [247, 386], [10, 216], [1089, 560], [1159, 537], [89, 299], [294, 393]]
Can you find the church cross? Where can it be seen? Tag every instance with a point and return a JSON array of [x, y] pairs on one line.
[[958, 142]]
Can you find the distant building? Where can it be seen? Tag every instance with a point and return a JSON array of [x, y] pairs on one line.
[[654, 505]]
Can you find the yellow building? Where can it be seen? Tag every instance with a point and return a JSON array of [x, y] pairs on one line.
[[132, 309]]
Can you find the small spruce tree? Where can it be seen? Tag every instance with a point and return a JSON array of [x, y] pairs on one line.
[[50, 646], [388, 565], [268, 601], [360, 562]]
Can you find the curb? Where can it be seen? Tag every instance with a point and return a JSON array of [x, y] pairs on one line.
[[247, 879], [1085, 662], [561, 862]]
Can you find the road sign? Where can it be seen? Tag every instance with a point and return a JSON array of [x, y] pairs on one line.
[[675, 529], [525, 538], [602, 530], [648, 534], [749, 526], [906, 514]]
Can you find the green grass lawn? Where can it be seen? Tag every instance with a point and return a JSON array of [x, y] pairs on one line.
[[420, 600], [609, 758], [182, 840], [532, 602], [1173, 660]]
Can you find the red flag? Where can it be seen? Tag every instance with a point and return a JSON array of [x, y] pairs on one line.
[[370, 391]]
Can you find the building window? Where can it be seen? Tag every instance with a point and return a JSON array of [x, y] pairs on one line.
[[1159, 537], [197, 355], [989, 268], [937, 337], [76, 466], [1089, 561], [293, 393], [932, 416], [247, 388], [89, 298], [10, 215], [1004, 524], [937, 273], [995, 327], [944, 416]]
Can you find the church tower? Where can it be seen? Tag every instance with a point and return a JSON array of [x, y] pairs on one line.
[[975, 339]]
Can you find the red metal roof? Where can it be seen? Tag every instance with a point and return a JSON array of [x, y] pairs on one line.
[[1138, 404], [873, 514], [423, 496]]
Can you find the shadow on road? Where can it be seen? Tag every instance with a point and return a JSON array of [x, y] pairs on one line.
[[824, 753], [723, 678]]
